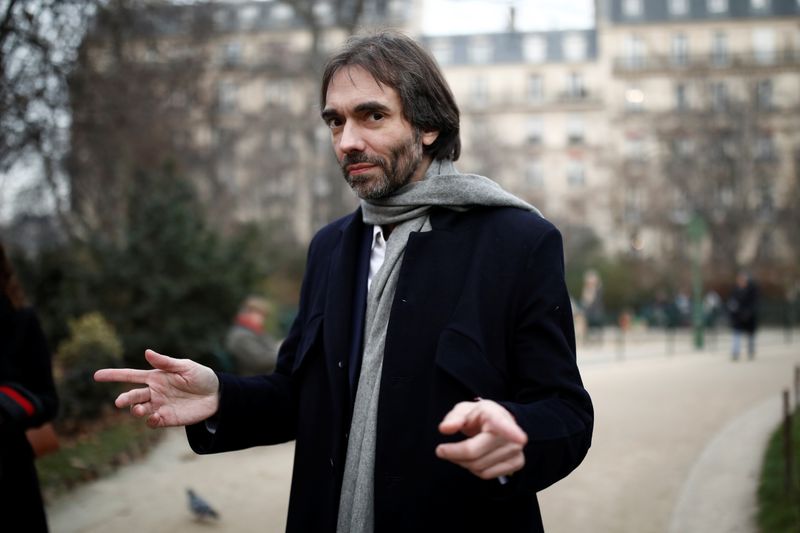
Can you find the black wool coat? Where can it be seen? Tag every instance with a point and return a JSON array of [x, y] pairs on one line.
[[481, 310]]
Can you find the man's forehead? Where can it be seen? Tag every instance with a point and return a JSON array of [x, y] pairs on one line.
[[352, 83]]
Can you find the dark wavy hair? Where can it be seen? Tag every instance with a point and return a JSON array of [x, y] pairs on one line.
[[397, 61], [9, 285]]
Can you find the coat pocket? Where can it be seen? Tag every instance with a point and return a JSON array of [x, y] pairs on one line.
[[460, 357], [312, 334]]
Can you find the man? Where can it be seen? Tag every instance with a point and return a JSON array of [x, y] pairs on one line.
[[253, 350], [429, 378], [743, 309]]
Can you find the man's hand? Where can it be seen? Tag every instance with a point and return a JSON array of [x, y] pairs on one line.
[[178, 392], [495, 443]]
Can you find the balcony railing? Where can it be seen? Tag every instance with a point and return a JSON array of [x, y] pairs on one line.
[[677, 63]]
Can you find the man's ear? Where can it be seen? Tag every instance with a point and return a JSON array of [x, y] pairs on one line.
[[429, 137]]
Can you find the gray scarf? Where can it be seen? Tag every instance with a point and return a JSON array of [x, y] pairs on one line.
[[407, 209]]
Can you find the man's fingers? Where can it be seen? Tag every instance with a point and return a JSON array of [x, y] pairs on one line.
[[164, 362], [132, 397], [504, 468], [468, 449], [504, 454], [501, 423], [455, 420], [122, 375]]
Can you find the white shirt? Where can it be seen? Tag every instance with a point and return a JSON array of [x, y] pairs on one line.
[[377, 254]]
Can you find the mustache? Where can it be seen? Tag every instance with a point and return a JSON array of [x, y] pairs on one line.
[[360, 157]]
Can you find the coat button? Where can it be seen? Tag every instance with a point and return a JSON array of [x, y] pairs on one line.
[[331, 460], [340, 364]]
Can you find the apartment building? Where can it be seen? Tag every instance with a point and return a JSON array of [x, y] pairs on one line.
[[689, 77], [533, 116], [598, 126]]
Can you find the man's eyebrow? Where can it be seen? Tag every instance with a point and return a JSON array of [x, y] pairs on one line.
[[370, 107], [328, 114]]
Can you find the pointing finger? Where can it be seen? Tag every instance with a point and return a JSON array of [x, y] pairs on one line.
[[122, 375], [456, 418]]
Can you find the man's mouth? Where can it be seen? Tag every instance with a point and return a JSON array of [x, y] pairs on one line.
[[359, 168]]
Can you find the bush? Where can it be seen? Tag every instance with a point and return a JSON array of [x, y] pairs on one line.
[[92, 344]]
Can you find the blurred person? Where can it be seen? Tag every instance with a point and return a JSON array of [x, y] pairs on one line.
[[429, 378], [592, 305], [27, 399], [743, 311], [254, 351]]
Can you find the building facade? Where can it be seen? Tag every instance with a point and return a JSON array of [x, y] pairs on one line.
[[667, 115]]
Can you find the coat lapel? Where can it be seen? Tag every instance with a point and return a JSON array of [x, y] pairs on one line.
[[344, 305]]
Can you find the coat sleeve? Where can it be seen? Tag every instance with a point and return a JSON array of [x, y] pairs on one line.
[[550, 403], [260, 410], [27, 392]]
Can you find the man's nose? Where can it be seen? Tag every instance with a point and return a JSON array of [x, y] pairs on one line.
[[351, 139]]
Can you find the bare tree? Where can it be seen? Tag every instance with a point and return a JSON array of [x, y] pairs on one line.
[[720, 162], [38, 44]]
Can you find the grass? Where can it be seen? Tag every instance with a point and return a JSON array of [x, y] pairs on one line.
[[779, 509], [95, 452]]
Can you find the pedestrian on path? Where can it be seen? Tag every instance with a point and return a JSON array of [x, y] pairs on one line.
[[429, 378], [743, 310], [252, 349]]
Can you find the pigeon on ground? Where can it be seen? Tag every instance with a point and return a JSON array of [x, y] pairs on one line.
[[199, 507]]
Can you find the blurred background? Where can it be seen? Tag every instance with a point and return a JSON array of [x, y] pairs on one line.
[[162, 161]]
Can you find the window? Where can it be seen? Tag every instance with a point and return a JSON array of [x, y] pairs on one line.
[[282, 12], [534, 48], [479, 91], [632, 8], [719, 49], [680, 49], [678, 8], [575, 88], [764, 45], [764, 94], [277, 93], [534, 174], [535, 130], [717, 6], [248, 16], [576, 173], [765, 147], [719, 96], [231, 53], [442, 50], [681, 98], [634, 148], [634, 99], [759, 5], [575, 130], [480, 50], [634, 51], [682, 147], [226, 96], [575, 47], [535, 88]]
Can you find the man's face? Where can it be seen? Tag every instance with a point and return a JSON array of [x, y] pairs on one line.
[[378, 149]]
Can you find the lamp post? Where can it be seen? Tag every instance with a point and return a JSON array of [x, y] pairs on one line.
[[696, 231]]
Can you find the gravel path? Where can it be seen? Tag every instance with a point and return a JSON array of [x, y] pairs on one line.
[[678, 442]]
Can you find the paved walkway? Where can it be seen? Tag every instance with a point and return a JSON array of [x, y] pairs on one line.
[[677, 448]]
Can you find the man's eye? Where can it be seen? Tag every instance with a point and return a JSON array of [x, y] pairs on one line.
[[334, 123], [376, 116]]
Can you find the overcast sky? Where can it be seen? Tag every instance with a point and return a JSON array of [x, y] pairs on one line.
[[469, 16]]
